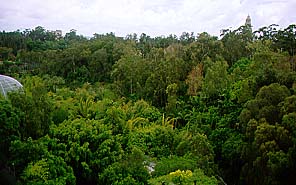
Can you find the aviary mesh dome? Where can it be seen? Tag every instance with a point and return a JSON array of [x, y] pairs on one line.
[[8, 84]]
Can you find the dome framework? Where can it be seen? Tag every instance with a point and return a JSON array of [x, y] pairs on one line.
[[8, 84]]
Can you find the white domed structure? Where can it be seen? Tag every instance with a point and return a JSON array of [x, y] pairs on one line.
[[8, 84]]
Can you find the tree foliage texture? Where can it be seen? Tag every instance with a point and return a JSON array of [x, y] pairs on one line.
[[143, 110]]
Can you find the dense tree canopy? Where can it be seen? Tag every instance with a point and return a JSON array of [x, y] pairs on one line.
[[143, 110]]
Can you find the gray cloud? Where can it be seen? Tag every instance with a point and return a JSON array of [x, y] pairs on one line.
[[154, 17]]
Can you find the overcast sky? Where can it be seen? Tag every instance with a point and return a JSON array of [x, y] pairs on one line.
[[153, 17]]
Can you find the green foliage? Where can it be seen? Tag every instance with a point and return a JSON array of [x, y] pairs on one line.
[[232, 147], [171, 91], [216, 80], [24, 152], [90, 146], [129, 170], [235, 43], [265, 104], [5, 53], [197, 147], [172, 163], [129, 73], [140, 110], [35, 106], [59, 115], [240, 65], [10, 122], [156, 141], [38, 172], [268, 137], [197, 177], [10, 119], [84, 107], [51, 170], [180, 177]]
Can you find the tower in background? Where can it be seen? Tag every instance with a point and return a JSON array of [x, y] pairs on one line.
[[248, 21]]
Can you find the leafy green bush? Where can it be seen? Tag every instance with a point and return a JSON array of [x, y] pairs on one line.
[[173, 163], [185, 177]]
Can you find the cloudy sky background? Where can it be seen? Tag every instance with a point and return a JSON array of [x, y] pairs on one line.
[[153, 17]]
